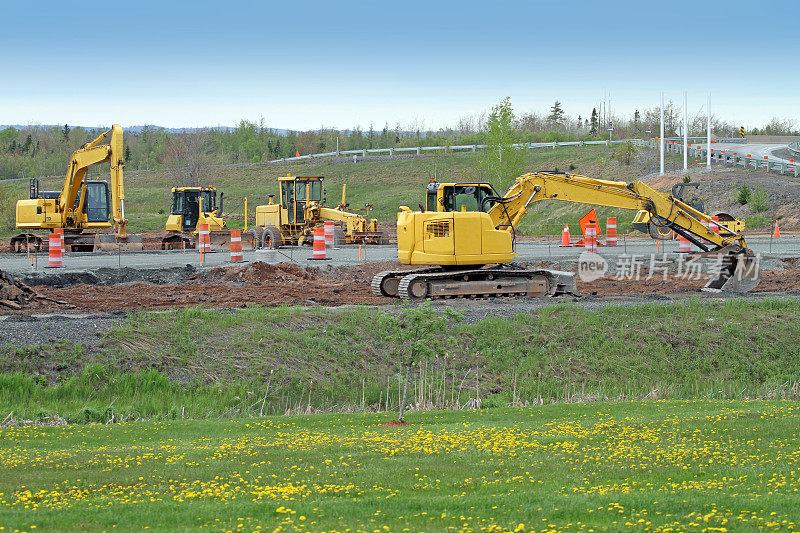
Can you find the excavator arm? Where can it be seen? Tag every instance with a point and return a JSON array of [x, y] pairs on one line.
[[739, 270], [508, 211], [94, 153]]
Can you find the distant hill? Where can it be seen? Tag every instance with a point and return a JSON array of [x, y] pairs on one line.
[[136, 129]]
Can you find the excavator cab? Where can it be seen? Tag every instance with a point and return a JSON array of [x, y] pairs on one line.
[[449, 197], [97, 204]]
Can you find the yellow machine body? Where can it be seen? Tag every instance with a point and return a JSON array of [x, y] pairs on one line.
[[192, 206], [301, 208], [82, 205], [448, 236]]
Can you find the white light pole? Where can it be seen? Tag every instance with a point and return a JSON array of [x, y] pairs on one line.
[[708, 134], [685, 135], [661, 136]]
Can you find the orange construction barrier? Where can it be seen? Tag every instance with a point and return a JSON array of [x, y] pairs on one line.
[[236, 246], [565, 241], [329, 234], [714, 226], [590, 239], [319, 245], [203, 240], [585, 221], [777, 232], [686, 246], [611, 231], [60, 233], [54, 251]]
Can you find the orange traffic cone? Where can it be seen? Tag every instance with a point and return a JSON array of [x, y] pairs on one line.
[[777, 232], [565, 236], [297, 153]]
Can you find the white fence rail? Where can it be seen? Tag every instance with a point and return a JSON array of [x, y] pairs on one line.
[[731, 157], [418, 150]]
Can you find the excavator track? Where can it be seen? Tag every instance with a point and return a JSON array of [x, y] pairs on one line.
[[486, 283], [385, 283]]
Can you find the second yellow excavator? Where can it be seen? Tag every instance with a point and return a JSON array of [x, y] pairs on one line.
[[82, 206], [466, 233]]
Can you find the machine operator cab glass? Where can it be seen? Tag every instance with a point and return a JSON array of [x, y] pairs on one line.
[[446, 197], [296, 193], [97, 205], [185, 202]]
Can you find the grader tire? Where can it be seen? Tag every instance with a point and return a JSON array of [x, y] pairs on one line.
[[272, 239]]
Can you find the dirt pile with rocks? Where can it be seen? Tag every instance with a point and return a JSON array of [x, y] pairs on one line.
[[16, 295]]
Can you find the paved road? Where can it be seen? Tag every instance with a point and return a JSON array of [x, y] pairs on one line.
[[787, 246], [757, 151]]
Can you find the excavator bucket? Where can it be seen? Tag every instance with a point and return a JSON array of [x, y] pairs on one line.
[[739, 273], [108, 242]]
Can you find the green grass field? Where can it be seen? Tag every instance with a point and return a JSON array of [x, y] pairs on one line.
[[632, 466], [387, 185], [207, 364]]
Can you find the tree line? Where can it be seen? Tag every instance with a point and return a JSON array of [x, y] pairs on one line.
[[34, 151]]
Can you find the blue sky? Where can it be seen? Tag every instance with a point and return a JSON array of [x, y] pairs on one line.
[[336, 64]]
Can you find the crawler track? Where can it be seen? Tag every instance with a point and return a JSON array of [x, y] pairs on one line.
[[473, 283]]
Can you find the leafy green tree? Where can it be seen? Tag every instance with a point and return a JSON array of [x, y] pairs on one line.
[[502, 163], [417, 331]]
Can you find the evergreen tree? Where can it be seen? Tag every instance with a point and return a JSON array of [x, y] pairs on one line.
[[127, 157], [593, 123], [65, 132], [556, 117], [580, 122]]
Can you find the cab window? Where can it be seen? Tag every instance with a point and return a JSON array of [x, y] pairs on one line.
[[177, 203], [209, 200]]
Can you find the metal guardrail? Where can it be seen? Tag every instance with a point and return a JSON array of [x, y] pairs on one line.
[[794, 148], [728, 157], [419, 149]]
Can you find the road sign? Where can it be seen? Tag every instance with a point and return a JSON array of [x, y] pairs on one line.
[[741, 131]]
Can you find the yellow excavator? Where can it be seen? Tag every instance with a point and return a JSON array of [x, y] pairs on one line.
[[466, 236], [301, 209], [192, 206], [82, 205]]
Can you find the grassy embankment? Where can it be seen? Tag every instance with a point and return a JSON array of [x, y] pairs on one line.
[[385, 184], [248, 362], [708, 465]]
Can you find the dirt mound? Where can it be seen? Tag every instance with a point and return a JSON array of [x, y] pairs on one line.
[[259, 272]]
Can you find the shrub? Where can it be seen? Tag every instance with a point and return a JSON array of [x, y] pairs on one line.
[[759, 199], [744, 195]]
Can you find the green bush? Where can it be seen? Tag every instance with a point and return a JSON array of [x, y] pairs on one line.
[[744, 194], [759, 200]]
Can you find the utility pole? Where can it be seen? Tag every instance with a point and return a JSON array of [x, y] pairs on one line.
[[661, 137], [708, 134], [685, 135]]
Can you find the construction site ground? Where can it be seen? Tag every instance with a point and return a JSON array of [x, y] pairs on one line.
[[65, 300]]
